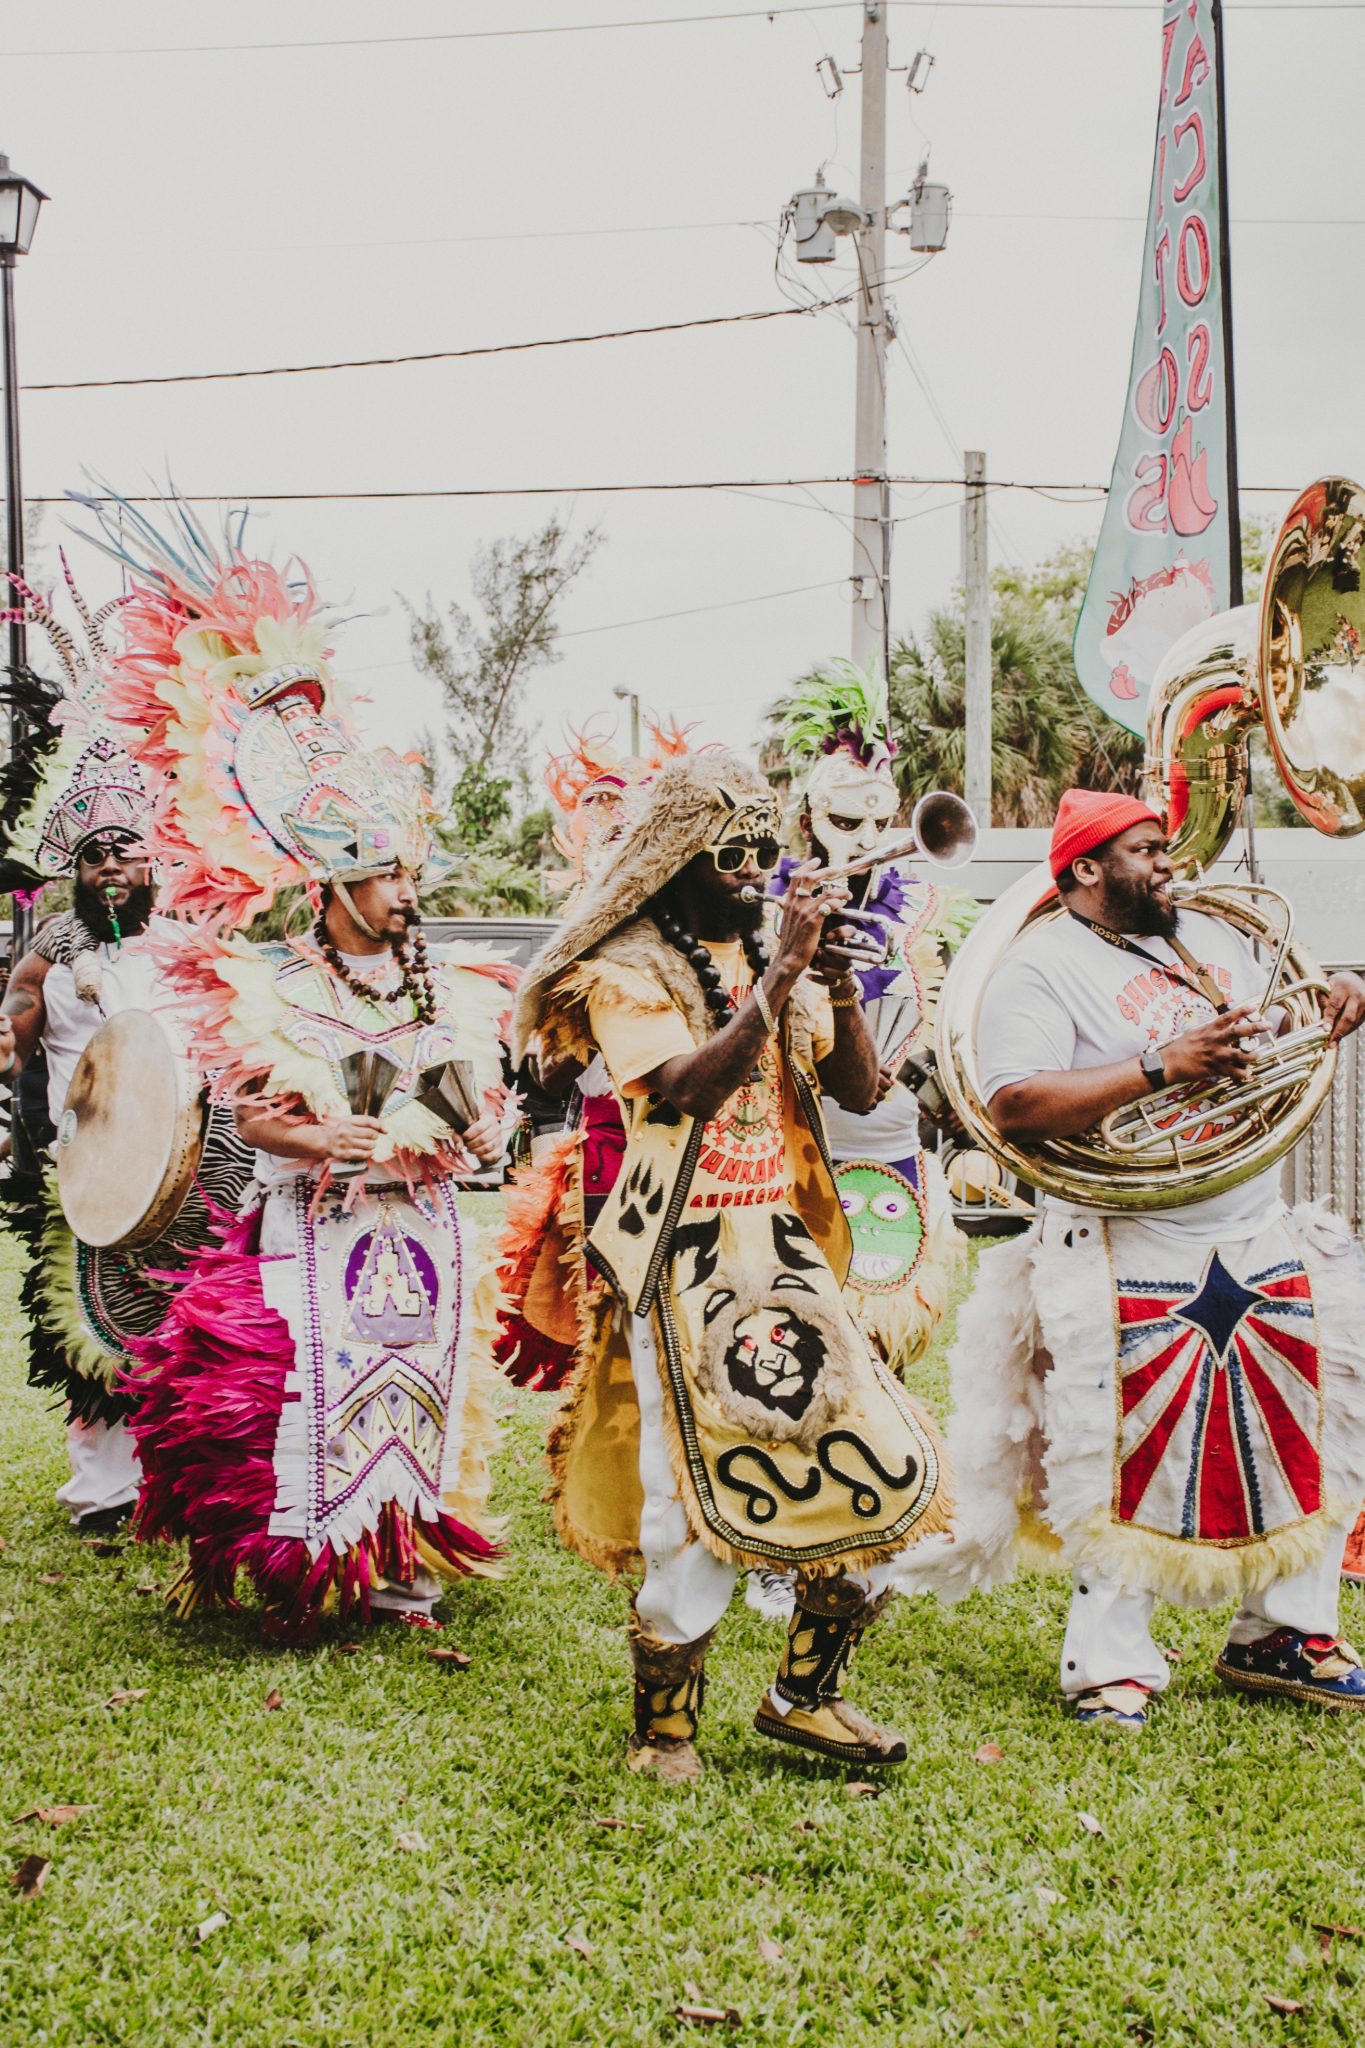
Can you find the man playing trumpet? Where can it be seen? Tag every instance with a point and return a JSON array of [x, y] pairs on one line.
[[1173, 1399], [903, 930], [725, 1410]]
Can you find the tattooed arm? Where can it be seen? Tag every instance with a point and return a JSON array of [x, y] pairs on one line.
[[23, 1015]]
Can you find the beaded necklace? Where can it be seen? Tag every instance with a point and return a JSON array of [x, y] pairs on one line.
[[414, 973], [708, 974]]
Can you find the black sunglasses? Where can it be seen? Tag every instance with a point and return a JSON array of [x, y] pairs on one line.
[[120, 844]]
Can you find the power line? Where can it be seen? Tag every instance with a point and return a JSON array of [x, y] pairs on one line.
[[463, 35], [736, 484], [577, 28], [725, 605], [442, 355]]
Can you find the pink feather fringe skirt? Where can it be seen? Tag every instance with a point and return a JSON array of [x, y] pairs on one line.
[[209, 1391]]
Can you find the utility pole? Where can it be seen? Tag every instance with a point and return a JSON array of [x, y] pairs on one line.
[[976, 581], [871, 491]]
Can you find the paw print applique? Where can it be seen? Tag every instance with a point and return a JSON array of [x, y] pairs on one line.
[[642, 1197]]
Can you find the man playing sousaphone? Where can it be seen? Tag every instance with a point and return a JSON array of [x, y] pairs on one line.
[[725, 1410], [1173, 1398]]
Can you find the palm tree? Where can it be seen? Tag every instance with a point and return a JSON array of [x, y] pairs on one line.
[[1041, 726]]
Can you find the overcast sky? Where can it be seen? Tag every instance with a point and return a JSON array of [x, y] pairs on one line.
[[235, 208]]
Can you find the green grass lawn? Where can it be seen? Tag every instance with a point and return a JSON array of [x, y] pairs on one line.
[[410, 1852]]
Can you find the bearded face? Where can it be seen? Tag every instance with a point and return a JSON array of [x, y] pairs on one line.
[[852, 808]]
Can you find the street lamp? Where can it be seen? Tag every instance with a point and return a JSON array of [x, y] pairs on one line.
[[622, 692], [20, 201]]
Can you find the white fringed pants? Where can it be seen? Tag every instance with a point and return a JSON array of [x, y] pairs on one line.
[[1109, 1631]]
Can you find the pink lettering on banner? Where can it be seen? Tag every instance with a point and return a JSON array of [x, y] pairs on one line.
[[1149, 583]]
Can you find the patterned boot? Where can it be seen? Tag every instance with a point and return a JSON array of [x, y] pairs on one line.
[[670, 1683], [830, 1617]]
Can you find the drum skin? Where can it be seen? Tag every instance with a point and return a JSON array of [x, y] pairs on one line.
[[130, 1135]]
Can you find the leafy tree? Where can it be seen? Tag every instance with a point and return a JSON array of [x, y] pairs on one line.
[[479, 805], [482, 664]]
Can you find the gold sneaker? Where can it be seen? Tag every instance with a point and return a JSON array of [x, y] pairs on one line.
[[834, 1729]]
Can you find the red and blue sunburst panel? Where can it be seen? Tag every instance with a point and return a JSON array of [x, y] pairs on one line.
[[1221, 1404]]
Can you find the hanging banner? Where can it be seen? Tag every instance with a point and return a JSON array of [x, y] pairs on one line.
[[1162, 562]]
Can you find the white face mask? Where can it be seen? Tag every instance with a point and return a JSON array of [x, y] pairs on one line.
[[852, 808]]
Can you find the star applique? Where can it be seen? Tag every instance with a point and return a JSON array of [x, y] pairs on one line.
[[1219, 1306]]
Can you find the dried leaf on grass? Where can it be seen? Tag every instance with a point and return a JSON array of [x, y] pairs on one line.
[[1330, 1927], [581, 1943], [103, 1546], [53, 1816], [989, 1753], [440, 1654], [770, 1951], [707, 2015], [274, 1700], [52, 1578], [215, 1924], [411, 1840], [146, 1589], [121, 1695], [1287, 2006], [807, 1827], [348, 1649], [609, 1820], [860, 1788], [1089, 1823], [31, 1875]]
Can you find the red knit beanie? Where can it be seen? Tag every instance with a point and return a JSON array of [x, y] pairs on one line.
[[1086, 818]]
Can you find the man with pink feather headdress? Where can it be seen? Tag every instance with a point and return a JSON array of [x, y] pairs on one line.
[[314, 1410]]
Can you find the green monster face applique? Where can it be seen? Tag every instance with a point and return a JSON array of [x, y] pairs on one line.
[[887, 1218]]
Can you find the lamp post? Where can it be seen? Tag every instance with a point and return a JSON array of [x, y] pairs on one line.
[[623, 693], [20, 201]]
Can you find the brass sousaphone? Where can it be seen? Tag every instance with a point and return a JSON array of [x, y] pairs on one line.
[[1294, 666]]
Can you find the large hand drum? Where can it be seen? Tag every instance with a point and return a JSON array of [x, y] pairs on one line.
[[130, 1136]]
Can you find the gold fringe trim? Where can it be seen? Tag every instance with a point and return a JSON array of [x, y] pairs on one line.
[[1199, 1574], [609, 1556], [564, 1029]]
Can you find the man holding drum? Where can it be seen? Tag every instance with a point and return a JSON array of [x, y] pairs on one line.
[[83, 968]]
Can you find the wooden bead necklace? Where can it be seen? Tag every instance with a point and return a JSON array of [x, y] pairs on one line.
[[414, 973]]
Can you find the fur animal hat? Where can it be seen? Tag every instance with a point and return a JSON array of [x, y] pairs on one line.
[[696, 800]]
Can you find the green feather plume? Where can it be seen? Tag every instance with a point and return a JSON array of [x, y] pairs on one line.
[[837, 700]]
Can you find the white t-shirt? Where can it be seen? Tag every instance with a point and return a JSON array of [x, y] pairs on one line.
[[890, 1132], [1063, 997], [128, 981]]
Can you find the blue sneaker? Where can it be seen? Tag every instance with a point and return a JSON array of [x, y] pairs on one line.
[[1121, 1705], [1320, 1668]]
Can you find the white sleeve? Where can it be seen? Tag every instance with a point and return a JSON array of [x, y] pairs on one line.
[[1024, 1027]]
